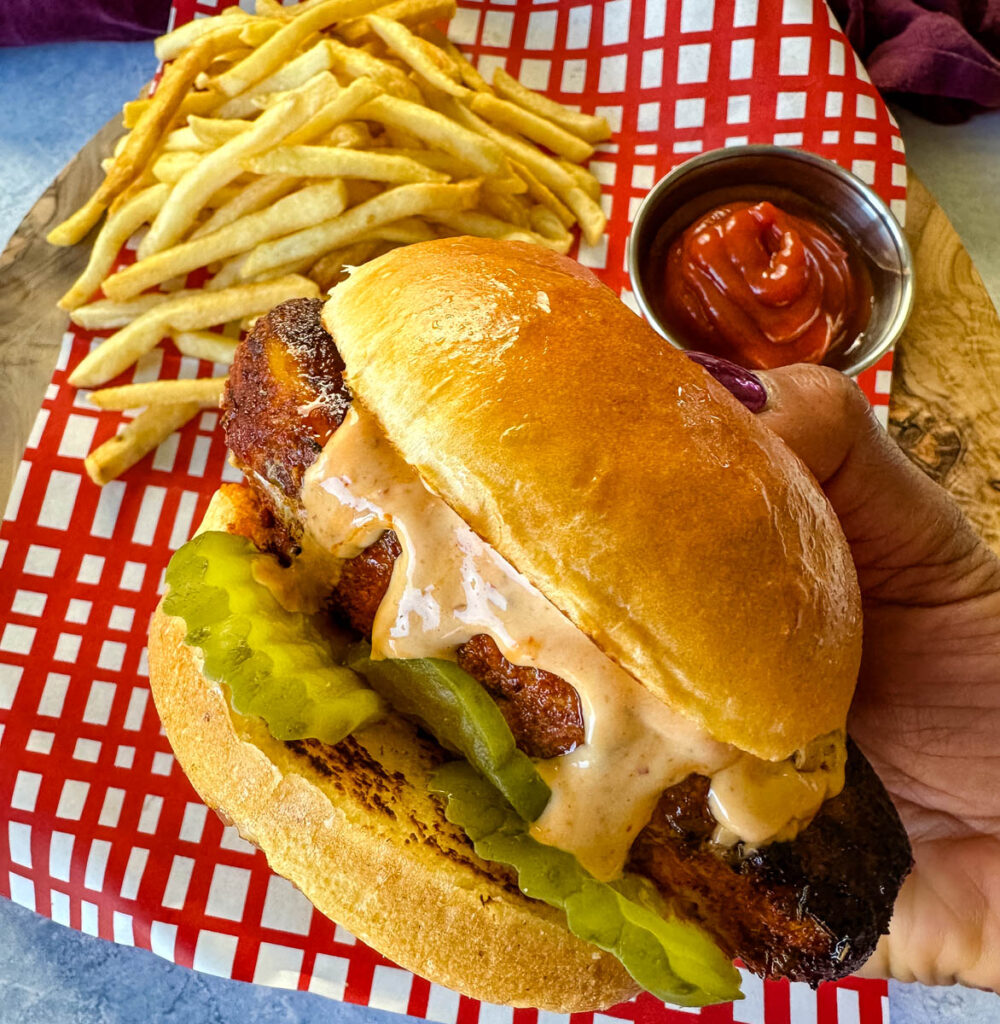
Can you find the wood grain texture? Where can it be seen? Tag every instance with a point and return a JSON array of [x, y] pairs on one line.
[[33, 274], [945, 409], [945, 405]]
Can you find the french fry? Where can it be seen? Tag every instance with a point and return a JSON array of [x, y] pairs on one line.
[[360, 191], [588, 213], [205, 345], [332, 161], [472, 78], [436, 160], [293, 74], [205, 392], [408, 12], [228, 274], [544, 195], [472, 222], [144, 137], [404, 231], [584, 179], [433, 64], [226, 163], [547, 223], [298, 210], [266, 59], [251, 198], [511, 117], [437, 130], [114, 233], [168, 46], [341, 107], [214, 131], [504, 206], [137, 439], [170, 167], [403, 201], [132, 111], [355, 63], [182, 139], [350, 135], [586, 126], [329, 269], [187, 312], [103, 314]]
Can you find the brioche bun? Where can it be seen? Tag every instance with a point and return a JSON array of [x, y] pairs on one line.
[[633, 490], [356, 829]]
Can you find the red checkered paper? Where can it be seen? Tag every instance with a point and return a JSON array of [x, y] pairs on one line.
[[101, 831]]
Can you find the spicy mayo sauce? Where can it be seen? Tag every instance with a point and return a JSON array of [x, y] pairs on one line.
[[763, 287]]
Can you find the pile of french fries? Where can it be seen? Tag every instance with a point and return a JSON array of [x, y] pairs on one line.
[[279, 150]]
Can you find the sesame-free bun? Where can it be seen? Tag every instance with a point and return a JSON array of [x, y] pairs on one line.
[[642, 499], [356, 829]]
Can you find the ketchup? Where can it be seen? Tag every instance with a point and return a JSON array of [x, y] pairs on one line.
[[764, 288]]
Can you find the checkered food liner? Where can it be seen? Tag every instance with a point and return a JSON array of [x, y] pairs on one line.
[[101, 830]]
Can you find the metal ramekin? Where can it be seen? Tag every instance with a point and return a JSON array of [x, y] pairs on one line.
[[775, 173]]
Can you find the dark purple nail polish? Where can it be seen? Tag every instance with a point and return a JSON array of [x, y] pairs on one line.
[[743, 384]]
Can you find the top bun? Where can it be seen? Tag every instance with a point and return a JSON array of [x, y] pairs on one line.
[[633, 490]]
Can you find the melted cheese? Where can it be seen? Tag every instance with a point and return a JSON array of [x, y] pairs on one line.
[[448, 585]]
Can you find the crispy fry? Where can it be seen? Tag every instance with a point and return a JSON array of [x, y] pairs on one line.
[[181, 139], [428, 61], [168, 46], [251, 198], [475, 223], [136, 439], [278, 49], [404, 231], [226, 163], [588, 213], [171, 167], [350, 135], [298, 210], [214, 131], [115, 232], [103, 314], [356, 63], [436, 160], [341, 107], [403, 201], [329, 269], [291, 75], [408, 12], [187, 312], [359, 191], [586, 126], [583, 178], [504, 206], [514, 118], [472, 78], [440, 131], [332, 161], [205, 391], [205, 345], [152, 123], [544, 195], [547, 223]]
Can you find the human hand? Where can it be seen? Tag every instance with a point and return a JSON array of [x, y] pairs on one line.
[[927, 708]]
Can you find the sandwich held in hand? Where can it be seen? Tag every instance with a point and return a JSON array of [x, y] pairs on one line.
[[525, 651]]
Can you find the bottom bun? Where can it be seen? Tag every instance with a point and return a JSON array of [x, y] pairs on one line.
[[355, 828]]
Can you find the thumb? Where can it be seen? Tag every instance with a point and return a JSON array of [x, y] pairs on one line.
[[910, 541]]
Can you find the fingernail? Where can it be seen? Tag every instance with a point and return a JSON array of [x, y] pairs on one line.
[[743, 384]]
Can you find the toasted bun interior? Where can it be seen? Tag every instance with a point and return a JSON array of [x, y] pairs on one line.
[[354, 827], [627, 485]]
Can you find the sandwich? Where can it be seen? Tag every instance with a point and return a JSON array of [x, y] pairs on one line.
[[524, 650]]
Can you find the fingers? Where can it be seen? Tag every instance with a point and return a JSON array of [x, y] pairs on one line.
[[910, 541]]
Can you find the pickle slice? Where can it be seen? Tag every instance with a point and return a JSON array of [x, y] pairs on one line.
[[277, 664], [461, 715], [674, 960]]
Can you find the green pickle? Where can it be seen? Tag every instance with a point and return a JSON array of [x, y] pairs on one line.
[[461, 715], [277, 664], [283, 667], [673, 959]]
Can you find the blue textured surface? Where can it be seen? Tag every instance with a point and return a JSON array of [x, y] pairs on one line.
[[52, 100]]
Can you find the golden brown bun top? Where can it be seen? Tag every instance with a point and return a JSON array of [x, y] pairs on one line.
[[640, 497]]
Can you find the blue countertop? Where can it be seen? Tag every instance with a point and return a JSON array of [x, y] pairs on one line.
[[52, 100]]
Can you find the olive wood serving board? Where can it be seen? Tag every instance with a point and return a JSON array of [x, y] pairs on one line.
[[945, 406]]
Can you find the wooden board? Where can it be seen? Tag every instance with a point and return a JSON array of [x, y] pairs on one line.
[[945, 408]]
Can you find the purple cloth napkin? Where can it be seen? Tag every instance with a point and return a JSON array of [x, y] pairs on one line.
[[941, 58], [47, 21]]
